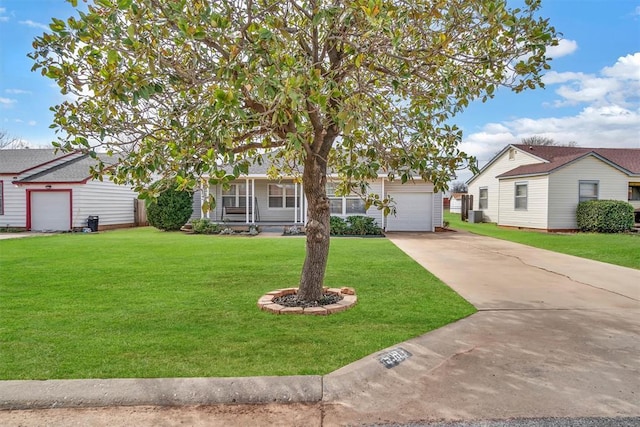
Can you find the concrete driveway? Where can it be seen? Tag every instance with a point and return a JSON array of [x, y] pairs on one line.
[[555, 336]]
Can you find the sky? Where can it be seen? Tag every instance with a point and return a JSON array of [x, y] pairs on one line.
[[592, 93]]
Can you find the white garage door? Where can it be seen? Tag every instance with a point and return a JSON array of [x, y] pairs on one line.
[[50, 210], [413, 212]]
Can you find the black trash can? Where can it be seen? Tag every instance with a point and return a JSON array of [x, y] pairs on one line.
[[92, 223]]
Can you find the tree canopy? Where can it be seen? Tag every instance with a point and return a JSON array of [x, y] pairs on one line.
[[357, 87]]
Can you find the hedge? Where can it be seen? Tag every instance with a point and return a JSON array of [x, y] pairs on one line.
[[605, 216]]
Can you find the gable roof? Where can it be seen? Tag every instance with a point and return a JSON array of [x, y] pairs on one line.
[[16, 161], [47, 166], [625, 159]]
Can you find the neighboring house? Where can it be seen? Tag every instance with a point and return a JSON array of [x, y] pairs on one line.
[[44, 190], [541, 186], [455, 205], [257, 199]]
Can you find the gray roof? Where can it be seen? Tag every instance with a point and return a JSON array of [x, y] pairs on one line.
[[45, 166], [15, 161]]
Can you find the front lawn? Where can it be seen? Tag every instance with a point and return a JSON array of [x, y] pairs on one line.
[[144, 303], [619, 249]]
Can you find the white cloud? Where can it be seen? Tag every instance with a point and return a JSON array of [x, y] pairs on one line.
[[6, 102], [3, 17], [18, 91], [565, 47], [627, 68], [32, 123], [33, 24], [636, 12], [616, 85]]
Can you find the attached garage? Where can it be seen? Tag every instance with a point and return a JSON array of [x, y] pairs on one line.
[[49, 210], [414, 212]]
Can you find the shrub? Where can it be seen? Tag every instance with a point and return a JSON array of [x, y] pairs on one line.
[[337, 225], [171, 210], [204, 226], [354, 225], [363, 226], [604, 216]]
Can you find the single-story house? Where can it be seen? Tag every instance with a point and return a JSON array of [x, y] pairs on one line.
[[539, 187], [455, 205], [42, 190], [256, 199]]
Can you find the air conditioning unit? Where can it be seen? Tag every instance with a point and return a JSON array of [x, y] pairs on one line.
[[475, 216]]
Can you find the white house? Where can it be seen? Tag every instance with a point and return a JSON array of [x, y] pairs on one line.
[[44, 190], [540, 186], [255, 198], [455, 203]]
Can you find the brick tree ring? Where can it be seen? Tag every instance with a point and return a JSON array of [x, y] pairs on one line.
[[348, 300]]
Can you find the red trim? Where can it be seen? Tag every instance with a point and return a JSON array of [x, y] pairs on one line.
[[46, 191], [23, 183]]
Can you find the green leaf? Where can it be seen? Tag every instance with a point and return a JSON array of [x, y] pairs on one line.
[[124, 4]]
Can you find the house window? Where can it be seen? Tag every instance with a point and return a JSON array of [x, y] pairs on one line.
[[235, 196], [634, 191], [282, 196], [521, 196], [512, 154], [483, 200], [1, 197], [344, 205], [588, 190]]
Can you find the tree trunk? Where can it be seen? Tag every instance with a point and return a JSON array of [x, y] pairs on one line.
[[317, 229]]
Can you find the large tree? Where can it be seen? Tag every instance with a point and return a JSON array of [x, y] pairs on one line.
[[354, 87]]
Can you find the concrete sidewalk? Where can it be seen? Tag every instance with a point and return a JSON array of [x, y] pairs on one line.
[[556, 336]]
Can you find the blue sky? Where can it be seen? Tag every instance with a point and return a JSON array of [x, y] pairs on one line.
[[592, 95]]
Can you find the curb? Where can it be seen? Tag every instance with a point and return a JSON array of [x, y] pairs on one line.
[[18, 394]]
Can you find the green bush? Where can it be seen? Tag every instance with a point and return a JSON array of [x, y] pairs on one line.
[[171, 210], [354, 225], [205, 226], [604, 216], [363, 226], [337, 225]]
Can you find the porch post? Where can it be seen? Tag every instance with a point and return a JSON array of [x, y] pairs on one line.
[[202, 199], [246, 200], [253, 200], [295, 202], [384, 219]]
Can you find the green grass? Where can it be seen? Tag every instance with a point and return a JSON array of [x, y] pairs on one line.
[[619, 249], [143, 303]]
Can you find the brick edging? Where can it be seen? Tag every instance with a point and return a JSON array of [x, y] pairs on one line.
[[349, 299]]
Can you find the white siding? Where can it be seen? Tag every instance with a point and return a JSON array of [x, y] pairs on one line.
[[438, 210], [15, 204], [563, 189], [455, 205], [535, 216], [113, 203], [488, 179]]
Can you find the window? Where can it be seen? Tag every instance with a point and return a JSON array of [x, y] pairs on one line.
[[588, 190], [483, 200], [1, 197], [344, 205], [521, 196], [634, 192], [512, 154], [235, 196], [282, 196]]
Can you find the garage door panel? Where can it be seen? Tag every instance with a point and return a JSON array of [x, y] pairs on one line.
[[50, 210], [413, 212]]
